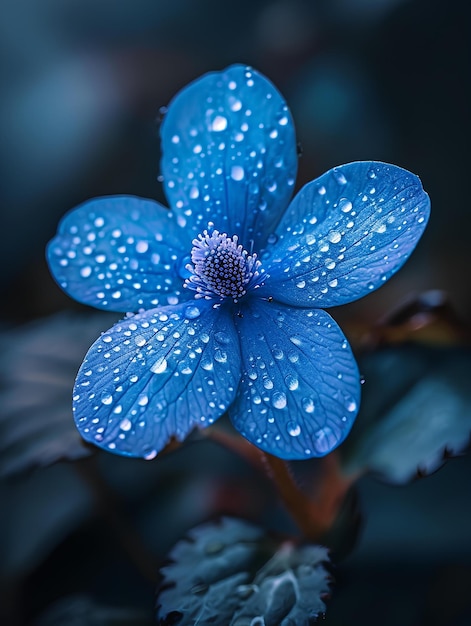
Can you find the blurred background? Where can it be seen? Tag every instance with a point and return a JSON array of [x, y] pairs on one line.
[[82, 84]]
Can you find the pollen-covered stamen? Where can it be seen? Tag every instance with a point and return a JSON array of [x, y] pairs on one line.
[[222, 268]]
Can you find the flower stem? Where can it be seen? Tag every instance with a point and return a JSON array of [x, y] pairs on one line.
[[313, 513], [314, 517]]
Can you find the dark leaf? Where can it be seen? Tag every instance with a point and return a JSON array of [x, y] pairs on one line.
[[214, 579], [289, 590], [416, 412], [38, 364], [81, 610]]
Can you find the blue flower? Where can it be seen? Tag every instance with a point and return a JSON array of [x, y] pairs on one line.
[[228, 284]]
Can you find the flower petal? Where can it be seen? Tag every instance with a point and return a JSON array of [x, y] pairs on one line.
[[121, 253], [300, 387], [229, 154], [345, 234], [155, 376]]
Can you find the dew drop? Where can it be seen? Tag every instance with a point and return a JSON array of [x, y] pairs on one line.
[[345, 205], [293, 429], [220, 356], [143, 399], [237, 172], [278, 354], [292, 382], [106, 397], [334, 236], [350, 405], [278, 400], [222, 337], [235, 104], [219, 123], [159, 366], [308, 405], [192, 312], [339, 177], [125, 424]]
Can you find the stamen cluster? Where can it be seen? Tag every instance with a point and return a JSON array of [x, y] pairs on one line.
[[221, 267]]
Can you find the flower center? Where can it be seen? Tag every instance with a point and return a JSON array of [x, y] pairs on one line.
[[221, 267]]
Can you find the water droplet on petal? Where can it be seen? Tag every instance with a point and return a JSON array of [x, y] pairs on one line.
[[143, 399], [125, 424], [334, 236], [278, 400], [220, 356], [219, 123], [350, 405], [339, 176], [159, 366], [345, 205], [148, 456], [293, 429], [192, 312], [292, 382], [308, 405], [222, 337], [237, 172], [106, 397]]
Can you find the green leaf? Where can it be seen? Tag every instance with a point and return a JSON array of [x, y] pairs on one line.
[[416, 412], [38, 364], [215, 579]]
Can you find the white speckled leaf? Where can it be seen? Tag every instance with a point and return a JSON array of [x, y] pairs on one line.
[[213, 579]]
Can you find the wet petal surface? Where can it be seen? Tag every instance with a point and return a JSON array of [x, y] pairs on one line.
[[121, 253], [229, 154], [345, 234], [157, 375], [300, 387]]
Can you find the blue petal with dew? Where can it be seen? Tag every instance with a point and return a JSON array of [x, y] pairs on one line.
[[300, 387], [157, 375], [229, 154], [345, 234], [121, 253]]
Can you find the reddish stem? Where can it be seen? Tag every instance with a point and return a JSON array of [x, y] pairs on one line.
[[314, 517]]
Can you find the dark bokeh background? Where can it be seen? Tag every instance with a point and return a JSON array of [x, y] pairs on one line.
[[82, 82]]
